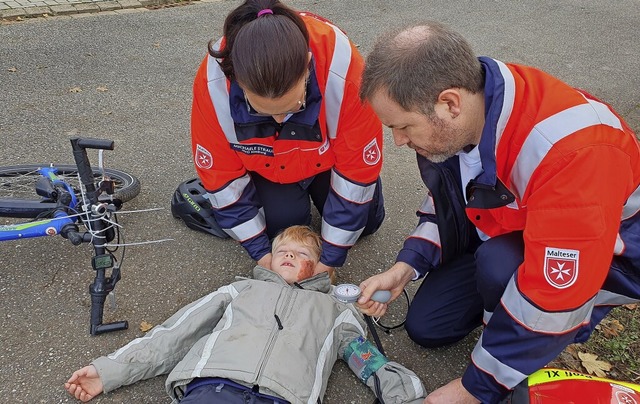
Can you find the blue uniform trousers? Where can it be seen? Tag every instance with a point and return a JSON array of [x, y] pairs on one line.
[[453, 297]]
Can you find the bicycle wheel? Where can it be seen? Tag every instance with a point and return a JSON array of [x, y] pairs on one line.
[[17, 184]]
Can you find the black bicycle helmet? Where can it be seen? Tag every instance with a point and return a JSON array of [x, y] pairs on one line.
[[190, 204]]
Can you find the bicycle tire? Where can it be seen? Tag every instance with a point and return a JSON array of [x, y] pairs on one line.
[[18, 183]]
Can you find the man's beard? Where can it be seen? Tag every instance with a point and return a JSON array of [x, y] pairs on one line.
[[458, 140]]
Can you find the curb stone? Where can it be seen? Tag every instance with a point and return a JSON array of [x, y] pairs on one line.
[[65, 8]]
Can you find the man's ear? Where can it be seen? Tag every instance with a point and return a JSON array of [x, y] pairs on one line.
[[449, 103]]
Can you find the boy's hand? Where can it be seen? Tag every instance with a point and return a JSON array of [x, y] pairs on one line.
[[84, 384]]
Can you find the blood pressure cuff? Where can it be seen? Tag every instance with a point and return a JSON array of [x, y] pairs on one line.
[[363, 358]]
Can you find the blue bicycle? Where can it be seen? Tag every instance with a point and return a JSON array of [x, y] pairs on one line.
[[65, 199]]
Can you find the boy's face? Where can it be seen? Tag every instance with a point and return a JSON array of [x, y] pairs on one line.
[[293, 261]]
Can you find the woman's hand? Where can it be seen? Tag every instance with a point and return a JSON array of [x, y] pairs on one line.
[[265, 261]]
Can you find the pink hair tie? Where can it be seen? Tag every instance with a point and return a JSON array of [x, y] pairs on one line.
[[265, 11]]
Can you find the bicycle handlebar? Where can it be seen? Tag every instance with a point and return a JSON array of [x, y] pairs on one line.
[[88, 143], [102, 284], [71, 233]]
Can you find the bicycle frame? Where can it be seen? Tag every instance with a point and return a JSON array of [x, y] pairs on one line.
[[68, 209], [43, 227]]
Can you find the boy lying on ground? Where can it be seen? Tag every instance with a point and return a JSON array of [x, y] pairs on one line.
[[271, 339]]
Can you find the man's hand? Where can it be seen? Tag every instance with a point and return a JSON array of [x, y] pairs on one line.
[[451, 393], [265, 261], [84, 384], [394, 280]]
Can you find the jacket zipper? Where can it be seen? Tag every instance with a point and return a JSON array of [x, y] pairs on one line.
[[288, 294]]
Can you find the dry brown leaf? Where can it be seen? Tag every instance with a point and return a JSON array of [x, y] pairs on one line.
[[102, 89], [572, 350], [630, 306], [75, 90], [156, 45], [12, 69], [611, 328], [144, 326], [594, 366]]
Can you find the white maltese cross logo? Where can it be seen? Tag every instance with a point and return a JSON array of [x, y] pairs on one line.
[[561, 267]]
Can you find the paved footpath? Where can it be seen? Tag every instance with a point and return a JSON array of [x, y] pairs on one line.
[[20, 9]]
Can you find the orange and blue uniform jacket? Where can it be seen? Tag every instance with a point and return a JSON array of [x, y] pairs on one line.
[[563, 168], [335, 131]]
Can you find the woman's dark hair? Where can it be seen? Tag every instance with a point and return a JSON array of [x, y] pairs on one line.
[[267, 55]]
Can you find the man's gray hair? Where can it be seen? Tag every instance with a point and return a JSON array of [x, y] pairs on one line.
[[413, 65]]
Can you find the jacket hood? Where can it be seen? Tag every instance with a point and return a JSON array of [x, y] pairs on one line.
[[319, 283]]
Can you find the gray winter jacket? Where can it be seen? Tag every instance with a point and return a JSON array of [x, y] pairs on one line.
[[258, 332]]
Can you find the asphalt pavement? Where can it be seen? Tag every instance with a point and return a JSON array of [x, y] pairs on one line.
[[128, 77]]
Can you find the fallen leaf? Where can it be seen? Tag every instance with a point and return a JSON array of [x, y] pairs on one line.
[[102, 89], [593, 366], [19, 18], [75, 90], [12, 69], [156, 45], [144, 326], [611, 328], [572, 350], [630, 306]]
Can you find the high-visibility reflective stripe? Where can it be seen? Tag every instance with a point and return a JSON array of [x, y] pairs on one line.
[[607, 298], [352, 192], [217, 83], [618, 248], [632, 206], [505, 375], [340, 237], [344, 317], [553, 129], [248, 229], [428, 207], [334, 92], [486, 316], [161, 329], [229, 194], [211, 341], [534, 319], [509, 95], [427, 231]]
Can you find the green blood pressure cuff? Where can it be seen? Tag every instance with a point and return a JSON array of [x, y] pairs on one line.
[[363, 358]]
